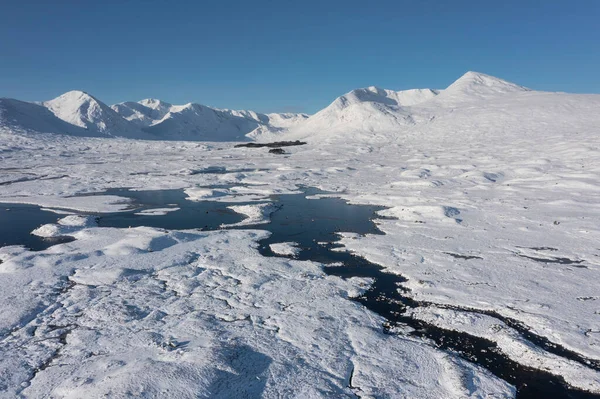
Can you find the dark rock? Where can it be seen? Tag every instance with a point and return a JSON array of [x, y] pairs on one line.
[[459, 256], [271, 145], [276, 151]]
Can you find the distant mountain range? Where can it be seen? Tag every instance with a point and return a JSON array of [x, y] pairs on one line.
[[369, 110], [79, 114]]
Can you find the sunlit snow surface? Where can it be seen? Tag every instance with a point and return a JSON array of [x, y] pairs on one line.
[[494, 205]]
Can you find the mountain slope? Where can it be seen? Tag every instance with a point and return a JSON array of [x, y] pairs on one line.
[[22, 116], [374, 94], [286, 120]]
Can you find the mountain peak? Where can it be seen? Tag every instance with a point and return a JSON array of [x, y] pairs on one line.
[[375, 90], [482, 85], [81, 109], [154, 103], [75, 95]]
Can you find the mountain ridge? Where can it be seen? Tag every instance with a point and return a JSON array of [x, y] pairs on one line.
[[369, 109]]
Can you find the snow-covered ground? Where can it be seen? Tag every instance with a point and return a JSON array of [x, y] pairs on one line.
[[494, 194]]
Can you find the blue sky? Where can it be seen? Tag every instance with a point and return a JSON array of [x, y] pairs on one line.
[[274, 56]]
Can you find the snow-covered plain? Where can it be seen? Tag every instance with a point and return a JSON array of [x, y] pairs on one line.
[[494, 194]]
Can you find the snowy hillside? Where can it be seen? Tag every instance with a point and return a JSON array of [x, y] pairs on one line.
[[21, 116], [403, 98]]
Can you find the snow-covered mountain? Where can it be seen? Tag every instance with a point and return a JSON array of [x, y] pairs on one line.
[[73, 113], [78, 113], [373, 110], [143, 113], [81, 109], [367, 111], [199, 122]]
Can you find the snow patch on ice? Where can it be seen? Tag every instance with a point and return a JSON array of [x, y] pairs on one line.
[[66, 226], [285, 248], [255, 214], [156, 211]]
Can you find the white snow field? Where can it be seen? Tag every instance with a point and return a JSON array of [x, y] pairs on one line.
[[492, 193]]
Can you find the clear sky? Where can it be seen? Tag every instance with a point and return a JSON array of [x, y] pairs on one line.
[[274, 56]]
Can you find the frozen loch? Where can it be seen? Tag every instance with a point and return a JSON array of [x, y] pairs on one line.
[[422, 244]]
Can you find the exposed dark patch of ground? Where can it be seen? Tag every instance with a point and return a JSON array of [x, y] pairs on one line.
[[279, 151], [540, 248], [271, 145], [459, 256], [562, 261]]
